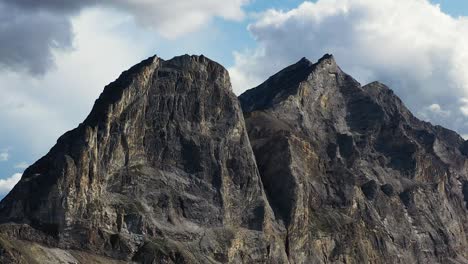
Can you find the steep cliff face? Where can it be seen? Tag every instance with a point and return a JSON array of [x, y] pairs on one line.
[[166, 170], [161, 170], [352, 174]]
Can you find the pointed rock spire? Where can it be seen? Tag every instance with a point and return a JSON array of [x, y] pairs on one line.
[[286, 82]]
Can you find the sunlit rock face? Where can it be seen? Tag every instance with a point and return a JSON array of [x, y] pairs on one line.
[[161, 169], [352, 175], [166, 170]]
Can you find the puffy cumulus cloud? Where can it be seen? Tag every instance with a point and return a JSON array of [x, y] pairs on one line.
[[411, 45], [4, 155], [436, 109], [32, 30], [7, 184]]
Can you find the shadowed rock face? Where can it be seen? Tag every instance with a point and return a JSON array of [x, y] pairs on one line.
[[161, 169], [352, 174], [165, 170]]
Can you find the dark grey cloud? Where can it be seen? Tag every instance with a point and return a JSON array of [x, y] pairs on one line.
[[28, 38], [59, 6]]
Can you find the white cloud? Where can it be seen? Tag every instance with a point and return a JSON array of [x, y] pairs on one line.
[[22, 165], [175, 18], [7, 184], [436, 109], [433, 112], [4, 155], [464, 106], [411, 45]]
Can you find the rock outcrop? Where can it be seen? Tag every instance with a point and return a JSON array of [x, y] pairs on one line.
[[160, 171], [352, 174], [166, 170]]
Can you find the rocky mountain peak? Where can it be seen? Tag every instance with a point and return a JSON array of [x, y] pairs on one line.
[[144, 72], [163, 156], [287, 82], [327, 60], [314, 168], [353, 152]]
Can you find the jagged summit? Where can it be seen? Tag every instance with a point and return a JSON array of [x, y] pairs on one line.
[[142, 72], [332, 153], [162, 160], [324, 88], [326, 59], [314, 168], [287, 82]]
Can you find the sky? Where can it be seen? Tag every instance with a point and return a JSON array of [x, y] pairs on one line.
[[56, 56]]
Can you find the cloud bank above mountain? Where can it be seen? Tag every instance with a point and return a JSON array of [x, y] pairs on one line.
[[33, 30], [412, 46]]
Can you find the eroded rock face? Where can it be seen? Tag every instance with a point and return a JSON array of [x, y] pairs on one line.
[[165, 170], [352, 174], [161, 170]]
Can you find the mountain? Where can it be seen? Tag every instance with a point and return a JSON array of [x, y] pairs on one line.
[[161, 169], [352, 174], [308, 167]]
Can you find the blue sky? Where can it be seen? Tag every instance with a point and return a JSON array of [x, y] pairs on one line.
[[67, 56], [453, 7]]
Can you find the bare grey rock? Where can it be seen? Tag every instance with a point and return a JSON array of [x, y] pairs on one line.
[[324, 144], [166, 170], [161, 171]]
